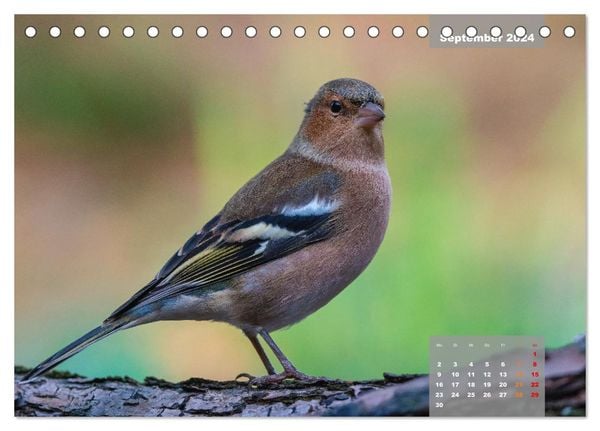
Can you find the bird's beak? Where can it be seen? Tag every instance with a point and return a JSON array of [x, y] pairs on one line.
[[369, 115]]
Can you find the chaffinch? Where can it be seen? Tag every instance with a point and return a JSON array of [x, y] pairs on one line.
[[286, 243]]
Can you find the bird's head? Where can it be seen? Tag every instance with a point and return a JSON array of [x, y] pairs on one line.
[[344, 119]]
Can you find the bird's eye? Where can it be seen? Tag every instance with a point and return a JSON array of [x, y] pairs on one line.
[[336, 107]]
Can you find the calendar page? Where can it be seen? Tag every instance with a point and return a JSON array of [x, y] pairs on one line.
[[486, 376], [300, 215]]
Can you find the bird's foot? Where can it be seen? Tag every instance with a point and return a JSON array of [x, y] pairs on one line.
[[294, 375]]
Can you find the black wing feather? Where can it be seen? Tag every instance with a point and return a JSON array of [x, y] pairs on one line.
[[213, 255]]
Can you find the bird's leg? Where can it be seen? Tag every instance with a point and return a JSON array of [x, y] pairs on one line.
[[288, 367], [261, 352], [289, 371]]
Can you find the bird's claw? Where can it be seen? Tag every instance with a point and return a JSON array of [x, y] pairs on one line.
[[248, 376], [294, 375]]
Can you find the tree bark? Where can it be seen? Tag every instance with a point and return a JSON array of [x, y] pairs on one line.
[[65, 394]]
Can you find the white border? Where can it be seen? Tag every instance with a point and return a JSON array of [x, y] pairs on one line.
[[297, 7], [278, 7]]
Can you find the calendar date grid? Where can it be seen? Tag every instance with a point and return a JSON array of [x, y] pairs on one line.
[[486, 376]]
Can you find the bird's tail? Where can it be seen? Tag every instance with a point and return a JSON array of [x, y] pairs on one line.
[[75, 347]]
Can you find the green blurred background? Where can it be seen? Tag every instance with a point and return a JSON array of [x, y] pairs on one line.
[[125, 147]]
